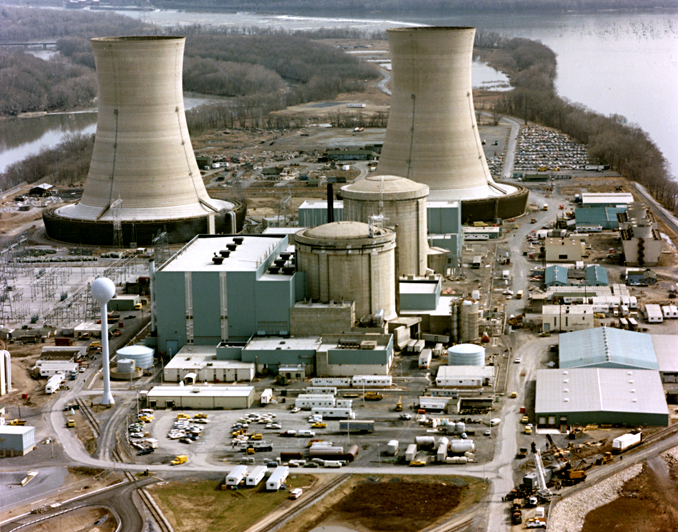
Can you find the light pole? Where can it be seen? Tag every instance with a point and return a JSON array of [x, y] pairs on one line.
[[103, 290], [379, 454]]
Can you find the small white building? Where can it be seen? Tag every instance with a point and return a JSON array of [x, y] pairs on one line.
[[277, 478], [54, 383], [49, 368], [236, 476], [670, 311], [256, 476], [563, 250], [308, 401], [567, 318], [654, 314], [202, 361], [465, 376], [201, 397]]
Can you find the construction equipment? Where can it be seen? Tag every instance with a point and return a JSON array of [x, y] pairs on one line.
[[516, 321], [516, 514], [543, 491], [606, 458], [399, 404], [373, 396]]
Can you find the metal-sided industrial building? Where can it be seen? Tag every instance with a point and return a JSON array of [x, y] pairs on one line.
[[566, 317], [203, 361], [16, 440], [605, 347], [201, 397], [237, 297], [599, 395], [465, 376]]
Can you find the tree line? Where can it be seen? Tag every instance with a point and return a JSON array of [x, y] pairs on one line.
[[610, 140], [395, 7]]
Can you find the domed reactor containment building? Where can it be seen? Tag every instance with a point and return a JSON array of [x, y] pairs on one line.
[[143, 177], [432, 135]]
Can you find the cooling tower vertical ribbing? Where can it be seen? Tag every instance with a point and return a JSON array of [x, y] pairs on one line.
[[432, 136], [142, 151]]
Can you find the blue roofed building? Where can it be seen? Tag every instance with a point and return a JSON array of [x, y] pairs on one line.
[[596, 275], [555, 276], [604, 216], [605, 347]]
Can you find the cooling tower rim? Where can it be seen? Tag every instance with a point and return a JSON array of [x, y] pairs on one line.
[[421, 29], [137, 38], [80, 211]]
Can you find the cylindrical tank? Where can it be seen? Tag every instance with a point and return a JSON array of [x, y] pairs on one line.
[[462, 446], [425, 442], [350, 261], [286, 456], [459, 427], [142, 150], [351, 453], [466, 355], [469, 320], [320, 452], [432, 136], [402, 202], [126, 365], [140, 354]]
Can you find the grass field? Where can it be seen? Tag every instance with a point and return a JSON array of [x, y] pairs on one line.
[[192, 505]]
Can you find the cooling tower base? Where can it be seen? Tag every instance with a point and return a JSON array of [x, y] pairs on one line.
[[141, 232], [500, 207]]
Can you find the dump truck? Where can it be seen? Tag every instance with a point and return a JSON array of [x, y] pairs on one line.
[[180, 459], [516, 514]]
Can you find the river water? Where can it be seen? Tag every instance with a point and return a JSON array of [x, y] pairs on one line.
[[613, 63]]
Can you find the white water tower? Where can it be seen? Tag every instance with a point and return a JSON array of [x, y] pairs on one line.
[[103, 291]]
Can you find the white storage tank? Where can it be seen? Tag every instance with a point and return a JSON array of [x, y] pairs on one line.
[[403, 204], [350, 261], [425, 442], [466, 355], [462, 446], [140, 354], [469, 318], [126, 365]]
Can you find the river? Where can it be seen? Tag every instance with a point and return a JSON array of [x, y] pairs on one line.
[[613, 63]]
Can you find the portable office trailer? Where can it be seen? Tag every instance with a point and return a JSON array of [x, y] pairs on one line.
[[334, 413], [670, 311], [633, 324], [49, 368], [438, 350], [411, 452], [623, 323], [654, 314], [359, 425], [256, 476], [277, 478], [477, 261], [308, 401], [344, 403], [419, 346], [339, 382], [409, 348], [435, 338], [372, 380], [323, 390], [425, 358], [54, 383], [236, 476], [266, 396]]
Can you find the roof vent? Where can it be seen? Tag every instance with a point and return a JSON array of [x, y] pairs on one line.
[[633, 390], [566, 390], [217, 259], [224, 253], [238, 240], [566, 400]]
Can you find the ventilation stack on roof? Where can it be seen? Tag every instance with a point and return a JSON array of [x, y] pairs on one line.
[[432, 136], [143, 176]]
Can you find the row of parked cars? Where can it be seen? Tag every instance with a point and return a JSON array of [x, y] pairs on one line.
[[186, 429]]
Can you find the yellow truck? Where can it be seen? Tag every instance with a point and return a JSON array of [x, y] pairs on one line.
[[70, 423], [18, 422], [181, 415], [180, 459]]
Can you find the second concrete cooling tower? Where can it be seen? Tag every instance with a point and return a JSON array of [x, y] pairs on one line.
[[143, 176], [432, 136]]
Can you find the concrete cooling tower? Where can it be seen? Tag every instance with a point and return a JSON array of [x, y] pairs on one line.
[[432, 136], [143, 176]]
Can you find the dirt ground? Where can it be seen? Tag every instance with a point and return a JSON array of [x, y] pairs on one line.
[[649, 502], [84, 519], [387, 505]]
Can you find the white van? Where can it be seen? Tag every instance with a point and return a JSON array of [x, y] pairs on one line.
[[332, 463], [494, 422], [296, 493], [305, 433]]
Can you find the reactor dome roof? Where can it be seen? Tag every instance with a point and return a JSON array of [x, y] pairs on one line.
[[385, 187], [343, 231]]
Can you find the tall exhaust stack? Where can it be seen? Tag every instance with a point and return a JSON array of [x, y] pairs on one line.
[[432, 135], [143, 172]]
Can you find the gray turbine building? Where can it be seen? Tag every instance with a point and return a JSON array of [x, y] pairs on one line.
[[142, 154], [432, 136]]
